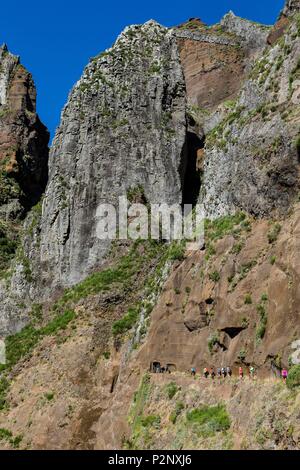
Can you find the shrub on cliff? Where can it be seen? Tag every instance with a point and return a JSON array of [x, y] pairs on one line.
[[4, 385], [8, 247], [293, 379], [176, 251], [176, 412], [126, 323], [212, 340], [274, 232], [209, 419], [219, 228], [215, 276], [171, 389]]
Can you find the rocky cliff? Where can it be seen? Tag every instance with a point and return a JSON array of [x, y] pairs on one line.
[[290, 8], [23, 140], [262, 126], [124, 127], [23, 178], [176, 115], [215, 59]]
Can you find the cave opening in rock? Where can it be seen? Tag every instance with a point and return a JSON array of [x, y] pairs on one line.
[[155, 366], [191, 170], [171, 367], [233, 331]]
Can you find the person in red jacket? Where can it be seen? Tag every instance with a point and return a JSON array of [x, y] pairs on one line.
[[284, 374], [241, 373]]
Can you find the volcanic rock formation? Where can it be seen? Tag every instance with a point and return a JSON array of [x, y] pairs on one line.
[[187, 114]]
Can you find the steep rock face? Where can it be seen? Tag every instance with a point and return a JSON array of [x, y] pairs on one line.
[[235, 302], [23, 177], [215, 59], [123, 127], [289, 11], [221, 298], [253, 36], [23, 140], [251, 157]]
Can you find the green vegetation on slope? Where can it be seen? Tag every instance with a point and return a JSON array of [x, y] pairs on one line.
[[293, 379], [9, 188], [120, 275], [4, 386], [179, 407], [209, 419], [127, 322], [6, 435], [169, 424], [21, 344], [171, 390], [8, 246], [274, 232], [263, 318], [217, 229], [143, 426], [229, 224], [152, 250]]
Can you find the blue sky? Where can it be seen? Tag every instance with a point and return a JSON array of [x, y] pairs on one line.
[[55, 39]]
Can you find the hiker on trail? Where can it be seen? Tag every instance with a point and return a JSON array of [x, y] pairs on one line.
[[284, 374], [229, 371], [241, 373], [219, 372], [252, 372], [275, 369], [193, 371], [212, 373], [205, 372], [224, 373]]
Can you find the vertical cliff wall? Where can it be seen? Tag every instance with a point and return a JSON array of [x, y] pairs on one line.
[[124, 126], [215, 59], [23, 140], [23, 178], [252, 155], [73, 374]]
